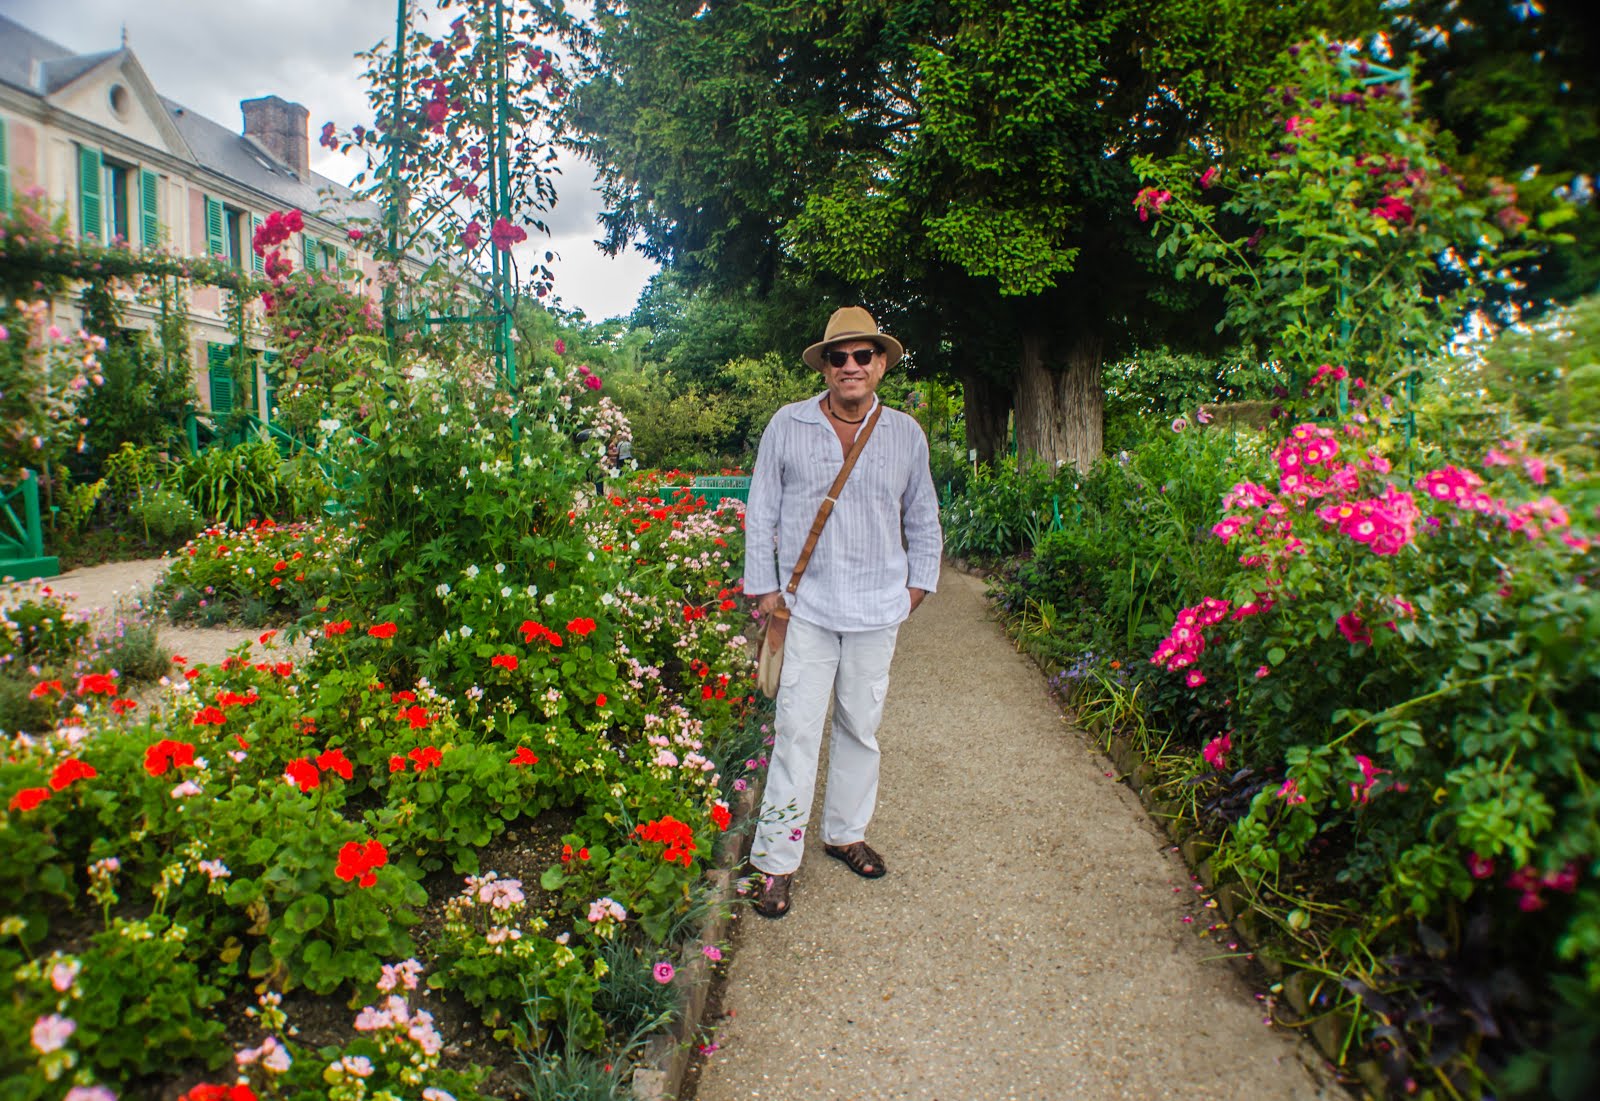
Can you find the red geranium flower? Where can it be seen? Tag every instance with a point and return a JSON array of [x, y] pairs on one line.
[[303, 774], [675, 835], [382, 630], [167, 754], [29, 798], [403, 697], [334, 760], [361, 859], [70, 770], [397, 763], [425, 757], [45, 687], [600, 700], [581, 627], [416, 715], [209, 1092], [339, 628], [102, 684], [504, 661], [721, 816], [524, 756], [210, 716], [122, 704]]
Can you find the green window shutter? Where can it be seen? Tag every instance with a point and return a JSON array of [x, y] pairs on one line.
[[309, 246], [340, 256], [5, 170], [149, 214], [221, 373], [216, 227], [258, 263], [271, 358], [91, 203]]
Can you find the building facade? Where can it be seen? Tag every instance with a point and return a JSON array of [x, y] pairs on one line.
[[92, 137]]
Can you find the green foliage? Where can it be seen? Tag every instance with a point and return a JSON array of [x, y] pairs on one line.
[[142, 400], [166, 517], [233, 485], [1000, 512], [1329, 222], [1149, 389]]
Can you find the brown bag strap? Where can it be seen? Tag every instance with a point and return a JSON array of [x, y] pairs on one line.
[[826, 508]]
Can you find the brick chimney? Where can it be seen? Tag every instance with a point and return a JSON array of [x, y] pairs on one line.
[[280, 127]]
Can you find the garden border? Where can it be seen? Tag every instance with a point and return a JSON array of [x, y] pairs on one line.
[[660, 1074]]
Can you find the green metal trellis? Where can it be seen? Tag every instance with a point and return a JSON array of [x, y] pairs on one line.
[[502, 283]]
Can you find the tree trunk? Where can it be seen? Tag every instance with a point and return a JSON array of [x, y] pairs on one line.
[[1060, 413], [987, 405]]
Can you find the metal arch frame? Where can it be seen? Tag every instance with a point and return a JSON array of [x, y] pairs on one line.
[[502, 275]]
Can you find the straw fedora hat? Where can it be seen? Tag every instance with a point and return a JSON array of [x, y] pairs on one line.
[[852, 323]]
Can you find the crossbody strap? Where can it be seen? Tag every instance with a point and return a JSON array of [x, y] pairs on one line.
[[826, 508]]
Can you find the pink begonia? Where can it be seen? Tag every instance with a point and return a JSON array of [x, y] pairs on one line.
[[400, 974], [603, 908], [1217, 750], [358, 1065], [51, 1033], [1290, 793]]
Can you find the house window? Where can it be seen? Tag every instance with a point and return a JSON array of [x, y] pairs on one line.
[[237, 236], [114, 191]]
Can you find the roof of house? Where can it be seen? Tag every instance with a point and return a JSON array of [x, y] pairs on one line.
[[40, 67]]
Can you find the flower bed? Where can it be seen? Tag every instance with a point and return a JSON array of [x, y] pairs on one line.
[[265, 572], [271, 825]]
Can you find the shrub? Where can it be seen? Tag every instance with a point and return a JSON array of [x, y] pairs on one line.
[[233, 485]]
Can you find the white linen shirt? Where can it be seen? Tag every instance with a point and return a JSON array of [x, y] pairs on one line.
[[858, 575]]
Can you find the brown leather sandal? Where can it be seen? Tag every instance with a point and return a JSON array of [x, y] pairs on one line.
[[772, 896], [860, 857]]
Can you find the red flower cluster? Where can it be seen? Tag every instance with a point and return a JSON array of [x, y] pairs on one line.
[[210, 716], [307, 776], [360, 860], [382, 630], [580, 627], [532, 630], [503, 234], [567, 854], [167, 754], [675, 835], [29, 798], [524, 756], [277, 229], [339, 628], [69, 771], [226, 699], [721, 815], [507, 662], [45, 687], [416, 715], [97, 684], [422, 759], [208, 1092]]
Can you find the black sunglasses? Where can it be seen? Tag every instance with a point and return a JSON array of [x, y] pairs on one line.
[[863, 356]]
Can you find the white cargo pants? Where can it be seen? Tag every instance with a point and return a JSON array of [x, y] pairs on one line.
[[851, 668]]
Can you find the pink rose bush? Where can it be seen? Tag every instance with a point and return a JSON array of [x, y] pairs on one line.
[[1399, 644]]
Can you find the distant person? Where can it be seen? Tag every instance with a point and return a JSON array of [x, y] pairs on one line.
[[876, 559]]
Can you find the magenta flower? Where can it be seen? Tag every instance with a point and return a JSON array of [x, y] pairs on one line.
[[711, 952], [1290, 793], [1354, 630], [1208, 177], [1480, 867], [471, 235], [504, 234], [1217, 750], [1195, 678], [1262, 671], [663, 972], [51, 1033], [592, 381]]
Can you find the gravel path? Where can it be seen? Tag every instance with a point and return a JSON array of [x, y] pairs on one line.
[[1028, 940], [104, 589]]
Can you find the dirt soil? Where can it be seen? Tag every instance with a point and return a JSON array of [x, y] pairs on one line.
[[1029, 939]]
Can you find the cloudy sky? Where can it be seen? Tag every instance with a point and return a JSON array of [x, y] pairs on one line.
[[210, 54]]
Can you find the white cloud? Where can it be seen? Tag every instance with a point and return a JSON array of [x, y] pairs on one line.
[[209, 56]]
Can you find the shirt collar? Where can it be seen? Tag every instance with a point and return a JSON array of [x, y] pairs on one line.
[[811, 408]]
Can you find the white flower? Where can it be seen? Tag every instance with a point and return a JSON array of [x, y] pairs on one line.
[[442, 589], [550, 599], [472, 571], [505, 590], [499, 567], [329, 425], [466, 632], [444, 430]]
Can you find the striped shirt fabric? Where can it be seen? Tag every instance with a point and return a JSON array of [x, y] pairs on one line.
[[858, 575]]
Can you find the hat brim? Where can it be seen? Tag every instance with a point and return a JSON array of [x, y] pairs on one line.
[[892, 348]]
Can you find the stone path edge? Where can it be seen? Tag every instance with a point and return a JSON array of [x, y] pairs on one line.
[[660, 1073], [1326, 1033]]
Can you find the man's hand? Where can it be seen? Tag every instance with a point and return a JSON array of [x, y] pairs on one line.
[[916, 596], [767, 603]]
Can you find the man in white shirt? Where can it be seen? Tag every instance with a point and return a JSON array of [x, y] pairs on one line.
[[876, 559]]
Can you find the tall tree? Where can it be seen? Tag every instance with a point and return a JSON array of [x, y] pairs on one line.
[[963, 164]]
